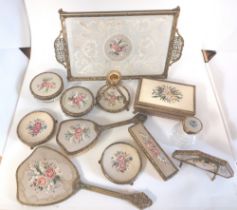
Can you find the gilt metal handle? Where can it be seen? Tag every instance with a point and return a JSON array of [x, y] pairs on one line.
[[138, 118], [139, 199]]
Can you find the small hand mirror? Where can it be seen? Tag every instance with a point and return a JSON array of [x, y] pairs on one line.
[[121, 163], [47, 177], [75, 135]]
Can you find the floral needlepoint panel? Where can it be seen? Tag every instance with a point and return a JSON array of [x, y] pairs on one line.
[[44, 175], [75, 135], [167, 93], [121, 161], [36, 127], [112, 97], [78, 99], [118, 47], [78, 133], [46, 85]]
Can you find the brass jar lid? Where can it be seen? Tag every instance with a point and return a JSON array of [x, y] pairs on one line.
[[77, 101], [192, 125], [36, 128], [46, 86], [121, 163]]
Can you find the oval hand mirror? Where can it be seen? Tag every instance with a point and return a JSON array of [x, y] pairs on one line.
[[47, 177], [77, 134], [121, 163]]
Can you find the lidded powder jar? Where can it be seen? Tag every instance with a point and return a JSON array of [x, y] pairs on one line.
[[46, 86], [77, 101], [36, 128]]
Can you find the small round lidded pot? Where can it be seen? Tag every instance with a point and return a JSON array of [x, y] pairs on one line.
[[113, 97], [77, 101], [184, 133], [121, 163], [36, 128], [46, 86]]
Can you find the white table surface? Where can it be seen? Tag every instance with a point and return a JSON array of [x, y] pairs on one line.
[[181, 192]]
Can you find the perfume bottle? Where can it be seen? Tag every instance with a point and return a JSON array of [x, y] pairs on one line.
[[113, 97], [184, 133]]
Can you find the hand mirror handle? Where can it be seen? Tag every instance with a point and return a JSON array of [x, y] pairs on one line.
[[139, 199], [136, 119]]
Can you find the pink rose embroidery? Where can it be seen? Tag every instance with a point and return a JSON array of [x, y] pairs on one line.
[[36, 127], [121, 161], [44, 176], [78, 99], [78, 133], [46, 85]]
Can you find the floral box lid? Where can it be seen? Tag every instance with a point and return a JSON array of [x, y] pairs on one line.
[[165, 98]]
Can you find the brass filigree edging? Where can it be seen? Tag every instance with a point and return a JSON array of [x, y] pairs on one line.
[[61, 50], [177, 48]]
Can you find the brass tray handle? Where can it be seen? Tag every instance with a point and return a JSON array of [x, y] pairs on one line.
[[60, 50], [177, 48]]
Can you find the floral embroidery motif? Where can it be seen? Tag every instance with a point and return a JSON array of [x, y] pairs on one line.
[[152, 148], [121, 161], [78, 133], [167, 93], [36, 127], [47, 85], [118, 47], [112, 98], [44, 175], [78, 99]]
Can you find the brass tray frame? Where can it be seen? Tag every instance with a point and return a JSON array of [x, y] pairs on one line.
[[176, 41]]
